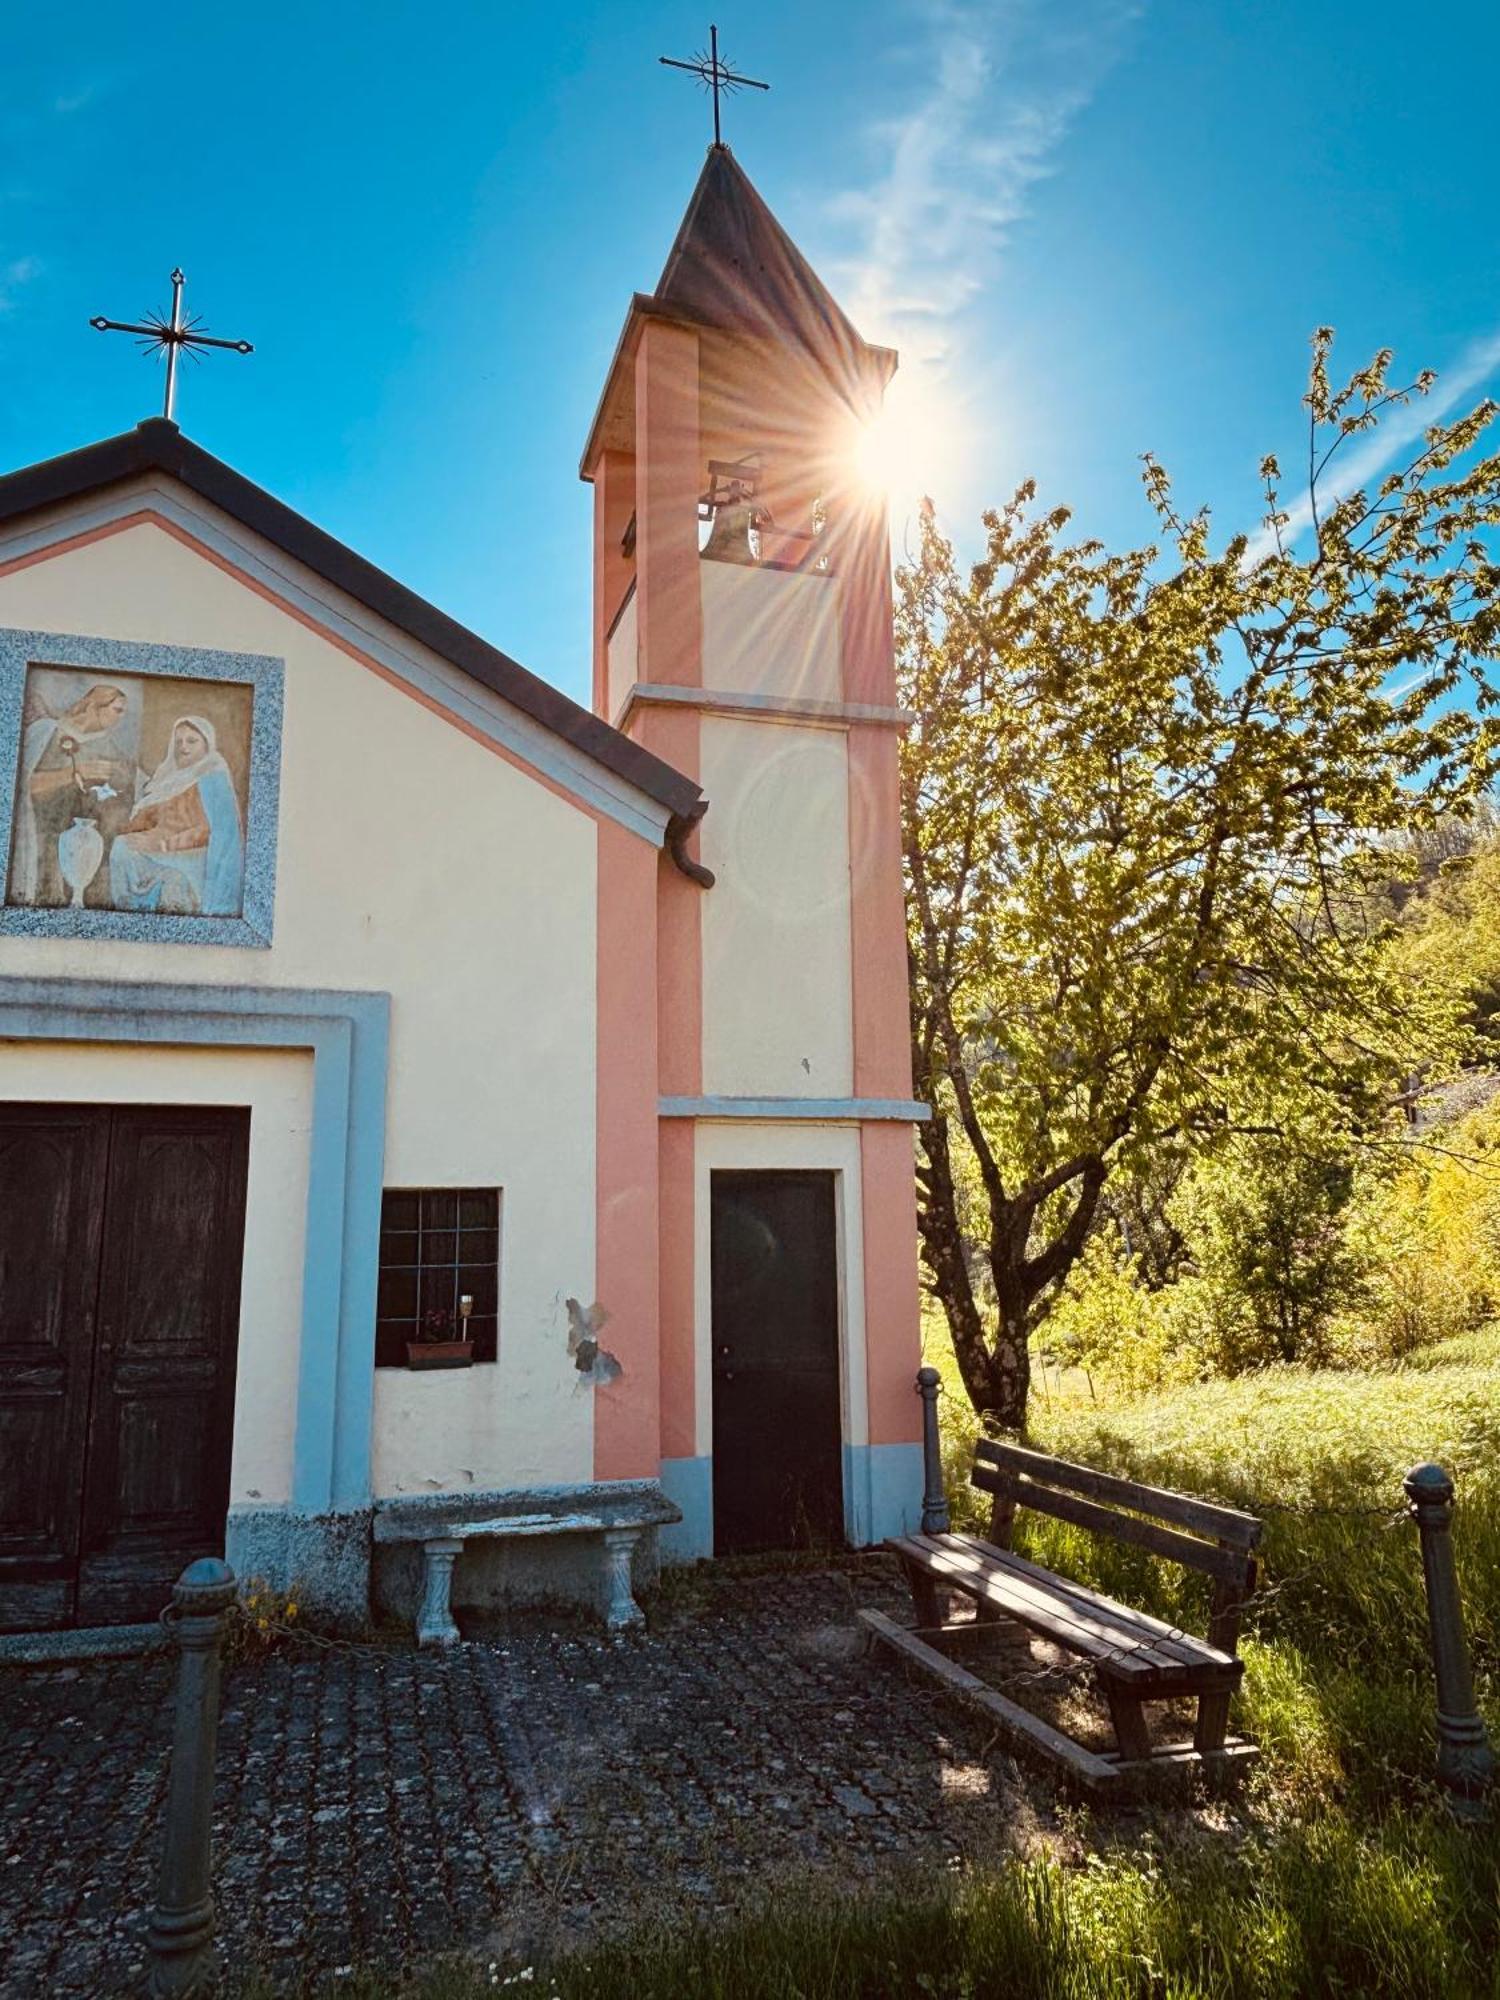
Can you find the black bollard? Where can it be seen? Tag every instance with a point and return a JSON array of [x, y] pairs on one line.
[[934, 1499], [1465, 1766], [180, 1937]]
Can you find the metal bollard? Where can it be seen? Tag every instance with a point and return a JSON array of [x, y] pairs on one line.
[[1465, 1766], [934, 1499], [180, 1937]]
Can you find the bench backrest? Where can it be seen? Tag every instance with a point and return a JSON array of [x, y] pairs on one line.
[[1218, 1540]]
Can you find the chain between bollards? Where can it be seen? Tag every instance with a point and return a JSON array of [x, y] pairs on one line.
[[934, 1498], [1465, 1764], [180, 1937]]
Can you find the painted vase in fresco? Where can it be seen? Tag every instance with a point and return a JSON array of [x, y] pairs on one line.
[[80, 849]]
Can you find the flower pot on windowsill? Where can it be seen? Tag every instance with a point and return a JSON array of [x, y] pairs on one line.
[[439, 1353]]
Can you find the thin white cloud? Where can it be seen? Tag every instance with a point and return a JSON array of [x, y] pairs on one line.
[[13, 276], [1478, 364], [1000, 84]]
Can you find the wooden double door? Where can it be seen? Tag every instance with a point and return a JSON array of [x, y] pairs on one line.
[[777, 1404], [121, 1239]]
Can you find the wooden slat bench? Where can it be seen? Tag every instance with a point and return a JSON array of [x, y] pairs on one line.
[[1135, 1658]]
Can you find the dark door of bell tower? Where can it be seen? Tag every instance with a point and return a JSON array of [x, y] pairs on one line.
[[777, 1435]]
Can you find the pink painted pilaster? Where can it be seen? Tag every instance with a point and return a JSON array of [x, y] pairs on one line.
[[893, 1339], [866, 636], [669, 608], [675, 1150], [680, 1070], [614, 502], [627, 1413], [668, 479], [882, 1031]]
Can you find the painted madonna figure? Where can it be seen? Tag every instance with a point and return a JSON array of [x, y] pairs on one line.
[[182, 852]]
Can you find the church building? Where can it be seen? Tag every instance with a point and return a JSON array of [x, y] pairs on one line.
[[456, 1146]]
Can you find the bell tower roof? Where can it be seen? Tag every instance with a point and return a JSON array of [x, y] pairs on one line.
[[734, 271], [734, 266]]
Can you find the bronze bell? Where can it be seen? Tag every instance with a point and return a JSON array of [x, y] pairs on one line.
[[729, 537]]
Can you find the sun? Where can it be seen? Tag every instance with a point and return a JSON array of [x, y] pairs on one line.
[[911, 446]]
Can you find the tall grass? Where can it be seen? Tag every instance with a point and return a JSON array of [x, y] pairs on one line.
[[1411, 1909], [1415, 1911]]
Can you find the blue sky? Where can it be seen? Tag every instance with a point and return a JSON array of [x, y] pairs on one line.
[[1093, 228]]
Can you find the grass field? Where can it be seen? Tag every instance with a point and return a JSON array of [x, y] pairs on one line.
[[1339, 1875]]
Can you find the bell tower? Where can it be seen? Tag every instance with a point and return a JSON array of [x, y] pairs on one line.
[[742, 632]]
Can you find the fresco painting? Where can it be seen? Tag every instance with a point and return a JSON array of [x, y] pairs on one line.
[[130, 793]]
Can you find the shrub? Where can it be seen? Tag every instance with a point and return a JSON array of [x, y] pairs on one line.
[[1107, 1322], [1427, 1241], [1263, 1222]]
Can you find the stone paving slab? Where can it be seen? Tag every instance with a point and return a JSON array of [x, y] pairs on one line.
[[513, 1796]]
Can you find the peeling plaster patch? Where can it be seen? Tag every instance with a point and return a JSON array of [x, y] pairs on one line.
[[595, 1364]]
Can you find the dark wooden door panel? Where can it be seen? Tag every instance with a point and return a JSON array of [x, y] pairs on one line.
[[777, 1434], [52, 1171], [160, 1426]]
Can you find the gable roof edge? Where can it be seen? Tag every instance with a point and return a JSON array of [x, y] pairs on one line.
[[158, 446]]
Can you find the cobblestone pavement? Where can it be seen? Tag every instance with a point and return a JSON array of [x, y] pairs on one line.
[[510, 1797]]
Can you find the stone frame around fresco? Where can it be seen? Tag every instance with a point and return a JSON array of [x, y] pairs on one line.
[[261, 672]]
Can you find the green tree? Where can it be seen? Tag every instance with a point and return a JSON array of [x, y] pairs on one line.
[[1150, 801], [1264, 1225]]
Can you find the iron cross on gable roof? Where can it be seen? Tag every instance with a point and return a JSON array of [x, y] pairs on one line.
[[715, 74], [171, 337]]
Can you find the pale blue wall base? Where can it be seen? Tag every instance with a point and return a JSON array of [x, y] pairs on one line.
[[882, 1491], [882, 1496], [689, 1484], [323, 1560]]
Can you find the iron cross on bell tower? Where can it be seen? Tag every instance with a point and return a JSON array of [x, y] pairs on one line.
[[171, 337], [714, 75]]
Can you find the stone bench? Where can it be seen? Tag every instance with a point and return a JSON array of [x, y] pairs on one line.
[[441, 1525]]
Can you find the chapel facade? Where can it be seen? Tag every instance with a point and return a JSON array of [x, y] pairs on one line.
[[454, 1142]]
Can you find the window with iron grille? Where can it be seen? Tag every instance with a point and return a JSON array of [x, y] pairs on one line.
[[436, 1245]]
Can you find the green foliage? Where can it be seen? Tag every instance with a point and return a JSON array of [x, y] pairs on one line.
[[1426, 1244], [1451, 937], [1153, 803], [1263, 1225], [1295, 1251], [1114, 1327]]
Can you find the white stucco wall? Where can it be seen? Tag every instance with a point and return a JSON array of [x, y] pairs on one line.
[[769, 631], [277, 1086], [412, 860], [777, 1009], [740, 1143]]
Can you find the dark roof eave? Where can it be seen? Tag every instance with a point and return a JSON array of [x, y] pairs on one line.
[[645, 305], [158, 446]]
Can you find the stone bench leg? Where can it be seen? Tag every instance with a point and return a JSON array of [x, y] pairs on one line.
[[435, 1626], [620, 1608]]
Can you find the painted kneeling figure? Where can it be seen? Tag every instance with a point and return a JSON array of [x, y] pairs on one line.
[[182, 853]]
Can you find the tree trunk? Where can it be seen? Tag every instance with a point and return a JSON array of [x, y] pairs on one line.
[[1012, 1351], [996, 1374], [943, 1249]]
